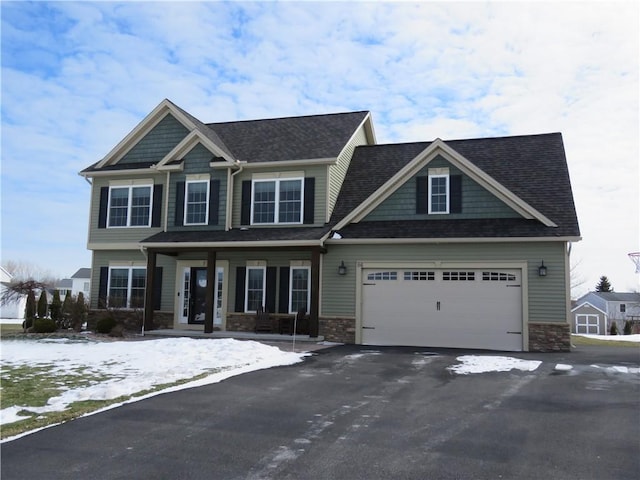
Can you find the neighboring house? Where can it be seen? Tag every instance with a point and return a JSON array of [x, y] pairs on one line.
[[79, 282], [459, 243], [14, 309], [596, 311]]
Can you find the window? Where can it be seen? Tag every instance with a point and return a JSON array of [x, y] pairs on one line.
[[458, 276], [255, 285], [85, 287], [438, 193], [420, 275], [623, 308], [498, 277], [277, 201], [196, 208], [130, 206], [383, 276], [299, 284], [126, 287]]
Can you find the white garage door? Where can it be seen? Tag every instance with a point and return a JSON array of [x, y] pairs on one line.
[[459, 308]]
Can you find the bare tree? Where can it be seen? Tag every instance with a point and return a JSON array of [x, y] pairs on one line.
[[22, 271]]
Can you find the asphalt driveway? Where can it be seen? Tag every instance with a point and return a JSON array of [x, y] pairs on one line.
[[354, 412]]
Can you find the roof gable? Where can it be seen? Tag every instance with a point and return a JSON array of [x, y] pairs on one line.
[[587, 304]]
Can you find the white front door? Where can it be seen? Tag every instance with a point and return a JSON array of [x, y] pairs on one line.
[[193, 295]]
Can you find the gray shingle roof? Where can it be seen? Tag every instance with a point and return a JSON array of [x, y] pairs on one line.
[[240, 235], [82, 273], [618, 296], [533, 167]]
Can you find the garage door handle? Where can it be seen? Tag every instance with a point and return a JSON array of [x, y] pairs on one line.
[[368, 328], [515, 333], [368, 284]]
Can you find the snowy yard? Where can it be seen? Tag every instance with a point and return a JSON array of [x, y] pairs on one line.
[[110, 370]]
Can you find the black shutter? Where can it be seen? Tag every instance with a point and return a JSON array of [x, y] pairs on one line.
[[179, 220], [245, 212], [214, 201], [157, 206], [422, 194], [104, 205], [309, 199], [157, 288], [240, 284], [455, 194], [272, 276], [102, 287], [283, 294]]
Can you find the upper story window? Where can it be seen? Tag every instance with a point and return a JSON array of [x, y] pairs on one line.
[[196, 208], [439, 193], [623, 308], [130, 206], [277, 201]]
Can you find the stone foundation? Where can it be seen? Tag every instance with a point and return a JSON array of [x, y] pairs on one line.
[[549, 337], [341, 330], [131, 320], [246, 322]]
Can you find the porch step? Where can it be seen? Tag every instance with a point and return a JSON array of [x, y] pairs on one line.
[[265, 337]]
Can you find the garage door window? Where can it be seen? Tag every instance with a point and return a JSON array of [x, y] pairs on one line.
[[456, 276], [498, 277], [383, 276], [419, 275], [587, 324]]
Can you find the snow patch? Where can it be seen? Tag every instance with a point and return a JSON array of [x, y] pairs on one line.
[[483, 364]]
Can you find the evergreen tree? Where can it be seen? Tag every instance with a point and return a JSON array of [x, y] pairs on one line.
[[42, 304], [67, 310], [79, 313], [30, 308], [604, 285], [55, 309]]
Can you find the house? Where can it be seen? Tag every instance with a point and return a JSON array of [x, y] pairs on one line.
[[15, 308], [79, 282], [596, 311], [461, 243]]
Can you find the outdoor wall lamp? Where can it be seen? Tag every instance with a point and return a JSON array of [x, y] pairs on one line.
[[542, 270], [342, 268]]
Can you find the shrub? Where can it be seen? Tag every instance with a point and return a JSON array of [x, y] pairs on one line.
[[30, 308], [627, 327], [44, 325], [78, 312], [56, 308], [614, 329], [105, 325], [42, 304], [28, 323]]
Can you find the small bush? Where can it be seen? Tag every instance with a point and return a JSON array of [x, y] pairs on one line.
[[105, 325], [627, 328], [44, 325], [28, 323], [614, 329]]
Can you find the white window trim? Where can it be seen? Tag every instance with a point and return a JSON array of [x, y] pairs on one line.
[[186, 203], [276, 213], [431, 177], [291, 269], [246, 286], [130, 270], [129, 200]]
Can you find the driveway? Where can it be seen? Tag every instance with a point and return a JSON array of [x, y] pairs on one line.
[[355, 412]]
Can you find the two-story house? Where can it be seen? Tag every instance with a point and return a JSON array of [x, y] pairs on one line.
[[460, 243], [596, 311]]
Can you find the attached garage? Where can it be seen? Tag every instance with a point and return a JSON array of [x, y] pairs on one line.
[[443, 307]]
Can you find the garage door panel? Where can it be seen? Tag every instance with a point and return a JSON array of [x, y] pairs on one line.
[[470, 309]]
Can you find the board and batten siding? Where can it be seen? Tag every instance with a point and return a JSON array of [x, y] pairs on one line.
[[477, 202], [319, 172], [156, 144], [547, 295], [119, 234], [338, 171], [102, 258], [197, 162]]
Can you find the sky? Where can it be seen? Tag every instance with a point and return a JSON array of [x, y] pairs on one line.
[[78, 77], [120, 368]]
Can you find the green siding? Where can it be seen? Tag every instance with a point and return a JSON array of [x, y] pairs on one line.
[[102, 258], [547, 295], [477, 202], [155, 145], [118, 235], [338, 171], [197, 162], [319, 172]]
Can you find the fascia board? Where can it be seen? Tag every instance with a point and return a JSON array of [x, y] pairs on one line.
[[290, 163], [367, 125], [120, 173], [145, 126], [405, 241]]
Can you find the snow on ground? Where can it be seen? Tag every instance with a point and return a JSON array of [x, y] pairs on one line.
[[483, 364], [130, 367], [616, 338]]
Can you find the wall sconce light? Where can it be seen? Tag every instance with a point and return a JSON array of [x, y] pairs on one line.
[[342, 268], [542, 270]]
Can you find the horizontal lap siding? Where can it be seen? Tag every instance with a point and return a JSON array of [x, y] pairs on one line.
[[338, 171], [477, 202], [319, 172], [123, 234], [547, 295], [156, 144]]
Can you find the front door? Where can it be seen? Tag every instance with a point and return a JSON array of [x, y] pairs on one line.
[[194, 295]]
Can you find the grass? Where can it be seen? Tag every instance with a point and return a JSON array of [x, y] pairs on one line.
[[579, 340], [7, 329]]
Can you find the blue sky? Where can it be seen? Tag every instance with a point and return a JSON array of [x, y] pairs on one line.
[[77, 77]]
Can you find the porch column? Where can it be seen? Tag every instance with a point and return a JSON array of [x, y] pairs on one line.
[[147, 320], [211, 286], [315, 293]]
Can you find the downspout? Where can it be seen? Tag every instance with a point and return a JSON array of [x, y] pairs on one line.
[[230, 182]]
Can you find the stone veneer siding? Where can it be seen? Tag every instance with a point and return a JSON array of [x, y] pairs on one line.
[[131, 320], [549, 337], [342, 330]]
